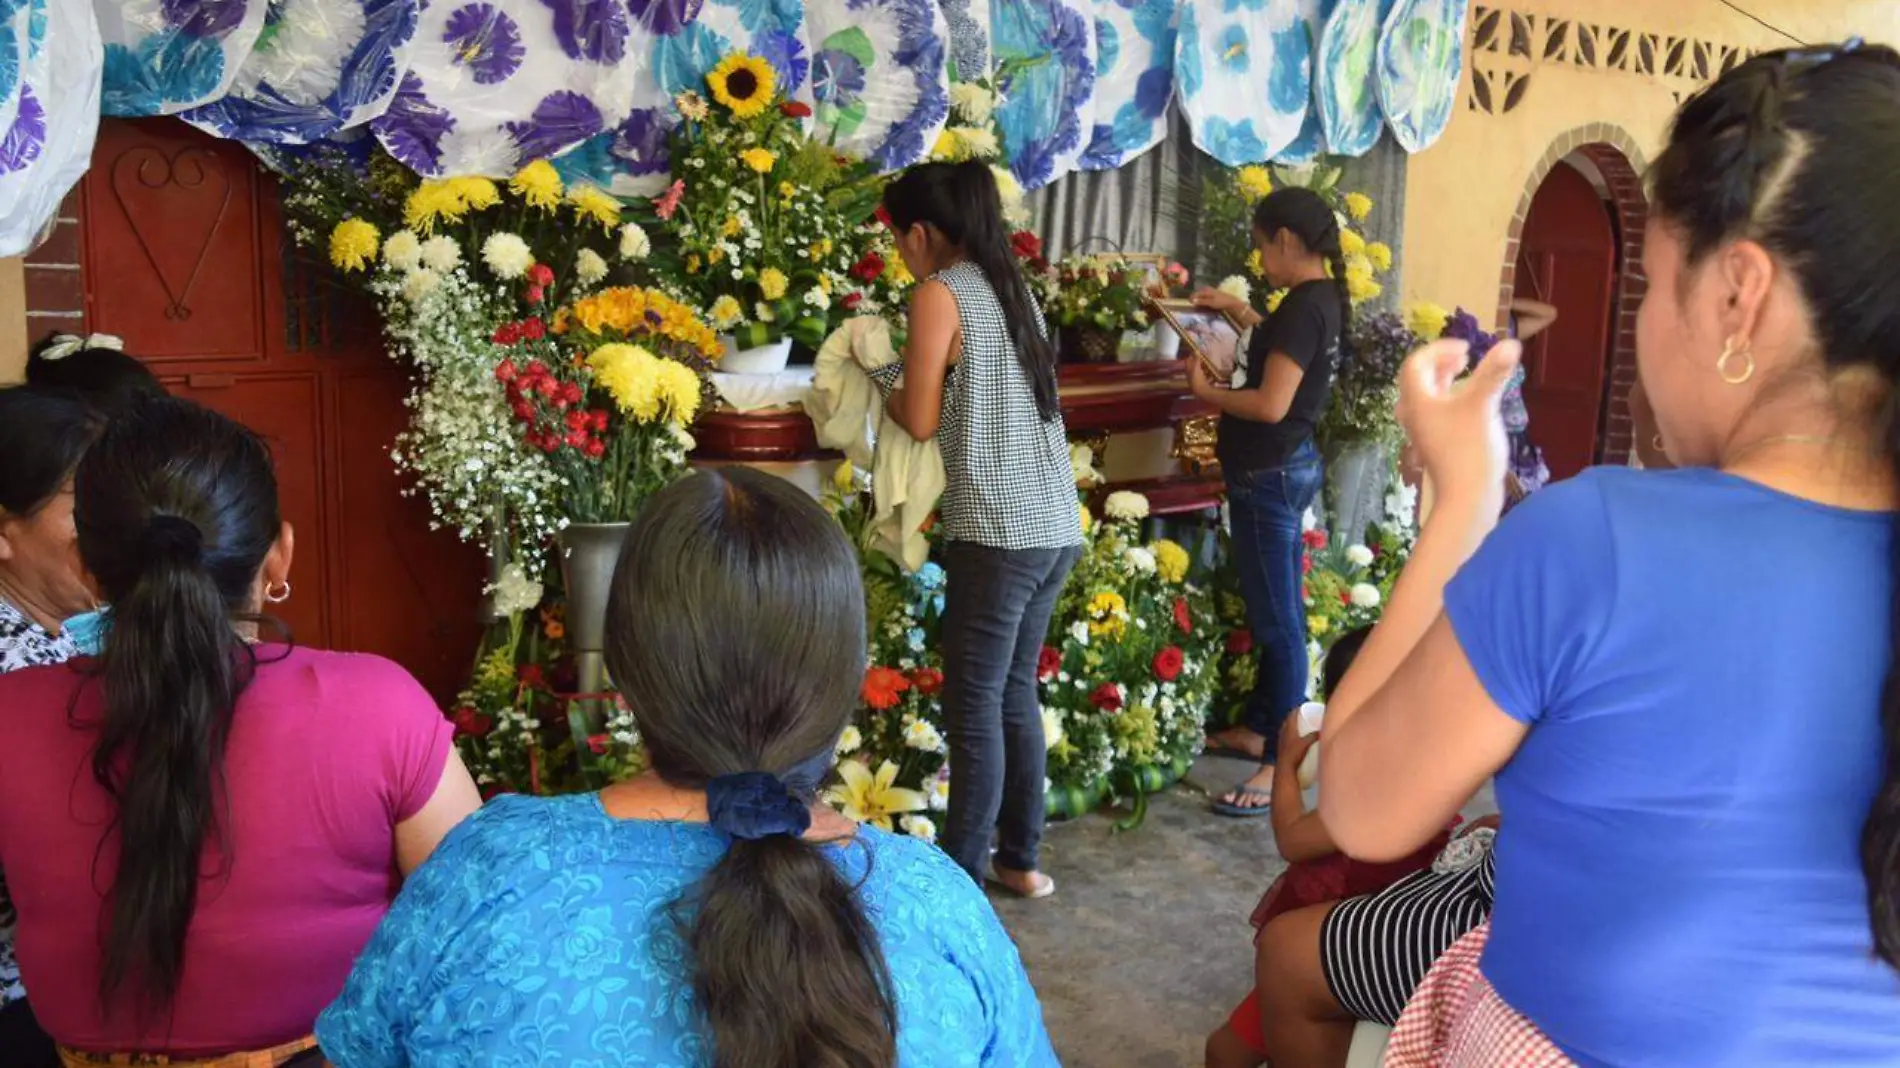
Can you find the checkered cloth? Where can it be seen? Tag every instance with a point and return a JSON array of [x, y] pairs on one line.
[[1455, 1020]]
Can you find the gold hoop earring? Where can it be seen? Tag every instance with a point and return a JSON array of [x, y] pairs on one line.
[[1656, 442], [1731, 349], [272, 594]]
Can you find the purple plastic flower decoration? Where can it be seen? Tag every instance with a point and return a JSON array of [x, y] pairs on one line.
[[787, 56], [561, 121], [590, 29], [24, 139], [641, 143], [413, 127], [486, 41], [1464, 327], [837, 78], [665, 18], [204, 18]]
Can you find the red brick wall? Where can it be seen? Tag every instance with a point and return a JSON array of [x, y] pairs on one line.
[[55, 288]]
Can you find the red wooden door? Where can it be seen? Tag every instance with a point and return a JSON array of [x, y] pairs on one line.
[[185, 257], [1567, 258]]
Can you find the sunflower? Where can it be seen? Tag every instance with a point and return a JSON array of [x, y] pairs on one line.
[[743, 83]]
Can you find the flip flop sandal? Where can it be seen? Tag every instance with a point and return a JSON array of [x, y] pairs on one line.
[[1046, 888], [1223, 807]]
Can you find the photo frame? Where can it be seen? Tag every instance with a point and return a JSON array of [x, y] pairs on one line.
[[1211, 336]]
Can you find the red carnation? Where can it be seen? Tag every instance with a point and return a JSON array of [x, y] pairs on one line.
[[883, 216], [575, 439], [1239, 642], [576, 420], [534, 371], [506, 371], [532, 676], [595, 449], [883, 687], [534, 329], [1183, 618], [1306, 565], [597, 743], [507, 334], [1345, 598], [523, 410], [472, 723], [793, 109], [868, 268], [572, 393], [540, 275], [927, 680], [1048, 663], [536, 294], [547, 387], [1168, 663], [1315, 539], [852, 300], [1027, 245], [1107, 697]]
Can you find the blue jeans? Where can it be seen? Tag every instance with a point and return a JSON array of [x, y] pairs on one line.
[[996, 618], [1264, 510]]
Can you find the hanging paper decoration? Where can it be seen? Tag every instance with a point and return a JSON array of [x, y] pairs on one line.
[[52, 115], [968, 22], [1229, 50], [1421, 51], [164, 56], [1308, 144], [690, 37], [879, 77], [493, 84], [630, 160], [320, 66], [1046, 51], [1134, 80], [1345, 85]]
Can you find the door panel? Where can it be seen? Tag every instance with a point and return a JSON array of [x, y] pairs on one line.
[[1567, 258]]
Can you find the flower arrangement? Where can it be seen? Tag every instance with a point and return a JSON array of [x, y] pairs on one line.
[[1227, 203], [764, 225], [1094, 293], [973, 133], [1366, 386]]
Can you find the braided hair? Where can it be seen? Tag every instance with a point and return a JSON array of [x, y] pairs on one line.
[[1306, 215]]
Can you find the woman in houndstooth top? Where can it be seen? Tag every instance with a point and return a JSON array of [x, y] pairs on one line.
[[979, 376]]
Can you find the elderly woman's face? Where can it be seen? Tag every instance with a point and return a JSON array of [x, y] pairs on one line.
[[40, 555]]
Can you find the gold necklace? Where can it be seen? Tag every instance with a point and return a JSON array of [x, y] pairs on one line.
[[1782, 439]]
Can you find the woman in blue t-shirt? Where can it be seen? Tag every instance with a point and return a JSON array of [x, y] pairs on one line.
[[1683, 681]]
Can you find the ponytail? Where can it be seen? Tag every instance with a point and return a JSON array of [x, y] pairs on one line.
[[736, 635], [961, 201], [176, 509]]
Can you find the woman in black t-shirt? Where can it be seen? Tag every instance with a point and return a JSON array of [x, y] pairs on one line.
[[1271, 465]]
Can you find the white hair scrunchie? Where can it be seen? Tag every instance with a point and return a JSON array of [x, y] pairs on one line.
[[65, 345]]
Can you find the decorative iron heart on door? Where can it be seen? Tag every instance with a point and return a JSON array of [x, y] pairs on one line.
[[175, 206]]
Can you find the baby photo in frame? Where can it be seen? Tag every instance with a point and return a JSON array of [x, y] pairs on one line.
[[1208, 335]]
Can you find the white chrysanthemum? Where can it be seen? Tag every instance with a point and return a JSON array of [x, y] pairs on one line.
[[817, 298], [634, 243], [681, 438], [976, 142], [1125, 505], [1052, 732], [441, 254], [515, 592], [923, 736], [850, 741], [1079, 630], [920, 827], [1359, 556], [507, 255], [1365, 595], [403, 250], [764, 312], [301, 59], [1015, 210], [479, 149], [589, 267], [419, 284], [973, 103], [939, 793], [1139, 560], [1237, 287], [1082, 467], [1309, 520]]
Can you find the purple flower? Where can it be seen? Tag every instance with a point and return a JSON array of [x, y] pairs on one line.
[[413, 127], [1464, 327], [590, 29], [486, 41], [22, 143], [837, 77], [562, 120], [665, 18], [204, 18]]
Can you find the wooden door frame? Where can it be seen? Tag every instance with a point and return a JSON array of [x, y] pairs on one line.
[[1614, 153]]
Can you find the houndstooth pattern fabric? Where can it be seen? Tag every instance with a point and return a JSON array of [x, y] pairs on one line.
[[1008, 480], [1456, 1020], [23, 644]]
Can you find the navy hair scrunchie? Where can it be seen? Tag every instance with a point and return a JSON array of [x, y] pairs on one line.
[[755, 804]]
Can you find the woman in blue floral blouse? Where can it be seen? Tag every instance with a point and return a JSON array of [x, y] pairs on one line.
[[708, 912]]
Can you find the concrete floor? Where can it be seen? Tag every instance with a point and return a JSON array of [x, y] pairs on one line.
[[1146, 947]]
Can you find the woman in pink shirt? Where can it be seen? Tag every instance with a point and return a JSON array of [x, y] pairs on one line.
[[200, 830]]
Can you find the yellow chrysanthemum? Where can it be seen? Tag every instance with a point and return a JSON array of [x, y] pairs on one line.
[[591, 203], [786, 191], [692, 263], [1426, 319], [1255, 266], [353, 245], [947, 149], [1358, 205], [679, 390], [1108, 614], [1273, 300], [1380, 254], [1362, 289], [539, 184], [726, 313], [1318, 626], [476, 194], [1255, 182], [760, 160], [1087, 517], [773, 283], [743, 84], [631, 376], [1351, 243], [897, 272], [432, 201], [844, 479], [1171, 561]]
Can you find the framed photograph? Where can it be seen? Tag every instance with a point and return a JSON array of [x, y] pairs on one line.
[[1212, 337]]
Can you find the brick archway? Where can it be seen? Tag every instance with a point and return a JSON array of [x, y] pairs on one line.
[[1615, 154]]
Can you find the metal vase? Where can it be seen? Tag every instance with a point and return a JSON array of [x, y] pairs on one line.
[[589, 552], [1357, 474]]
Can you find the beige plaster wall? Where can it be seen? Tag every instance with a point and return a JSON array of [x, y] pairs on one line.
[[1462, 192]]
